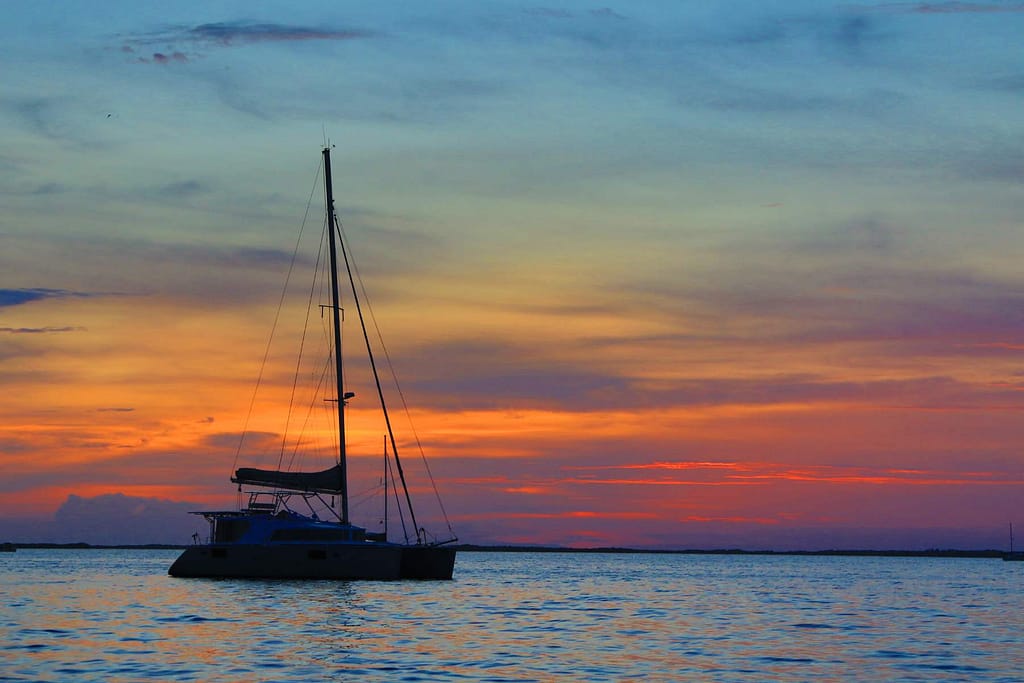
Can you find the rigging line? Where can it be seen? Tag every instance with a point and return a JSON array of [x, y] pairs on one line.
[[310, 409], [325, 371], [401, 394], [327, 330], [376, 377], [298, 367], [363, 497], [398, 501], [277, 316], [412, 428]]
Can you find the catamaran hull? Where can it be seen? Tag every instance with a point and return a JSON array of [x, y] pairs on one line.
[[427, 562], [315, 561], [292, 561]]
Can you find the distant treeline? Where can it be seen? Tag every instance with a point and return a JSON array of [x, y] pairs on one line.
[[471, 548], [90, 546], [935, 552]]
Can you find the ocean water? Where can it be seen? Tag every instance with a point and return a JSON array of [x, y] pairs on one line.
[[115, 615]]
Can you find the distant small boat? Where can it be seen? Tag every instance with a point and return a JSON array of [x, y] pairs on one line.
[[1013, 556], [8, 548], [270, 538]]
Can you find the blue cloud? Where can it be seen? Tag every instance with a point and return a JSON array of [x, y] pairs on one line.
[[226, 33], [951, 7], [230, 33], [17, 297]]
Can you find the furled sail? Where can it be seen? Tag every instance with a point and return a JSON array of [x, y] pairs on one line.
[[328, 481]]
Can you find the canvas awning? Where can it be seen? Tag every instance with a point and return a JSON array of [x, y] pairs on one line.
[[328, 481]]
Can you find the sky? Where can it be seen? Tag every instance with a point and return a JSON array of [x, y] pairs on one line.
[[651, 274]]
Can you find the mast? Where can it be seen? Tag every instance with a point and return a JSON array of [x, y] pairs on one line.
[[336, 307]]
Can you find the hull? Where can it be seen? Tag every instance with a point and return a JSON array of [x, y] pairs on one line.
[[290, 561], [427, 562]]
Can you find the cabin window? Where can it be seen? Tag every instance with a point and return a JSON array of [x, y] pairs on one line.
[[318, 554], [230, 530], [301, 534]]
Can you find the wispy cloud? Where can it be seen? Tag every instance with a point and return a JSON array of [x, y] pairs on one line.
[[39, 330], [233, 32], [51, 117], [569, 514], [161, 58], [949, 7], [181, 189], [17, 297], [1001, 165], [851, 287], [180, 44], [763, 472]]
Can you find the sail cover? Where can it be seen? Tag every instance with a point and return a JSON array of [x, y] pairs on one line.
[[328, 481]]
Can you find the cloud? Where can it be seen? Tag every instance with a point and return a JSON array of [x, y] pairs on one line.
[[478, 375], [253, 441], [1012, 84], [117, 518], [204, 274], [229, 33], [548, 12], [41, 115], [182, 189], [39, 330], [182, 41], [785, 35], [852, 286], [48, 189], [948, 7], [607, 13], [240, 257], [853, 34], [161, 58], [17, 297], [710, 504], [54, 118], [701, 472], [1000, 166]]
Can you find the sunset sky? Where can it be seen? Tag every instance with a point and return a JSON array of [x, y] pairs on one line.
[[658, 274]]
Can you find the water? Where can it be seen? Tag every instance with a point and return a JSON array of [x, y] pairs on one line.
[[112, 615]]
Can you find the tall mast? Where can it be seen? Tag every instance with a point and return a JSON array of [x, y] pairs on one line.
[[336, 307]]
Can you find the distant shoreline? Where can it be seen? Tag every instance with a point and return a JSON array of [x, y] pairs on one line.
[[738, 551], [472, 548]]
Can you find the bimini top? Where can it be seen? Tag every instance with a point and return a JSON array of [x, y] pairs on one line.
[[328, 481]]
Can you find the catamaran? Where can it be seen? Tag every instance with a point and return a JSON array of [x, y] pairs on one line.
[[285, 527]]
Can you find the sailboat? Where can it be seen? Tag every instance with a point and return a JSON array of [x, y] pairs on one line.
[[280, 530], [1013, 556]]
